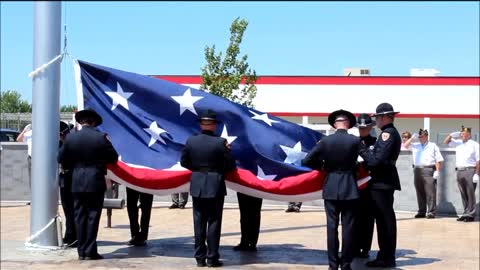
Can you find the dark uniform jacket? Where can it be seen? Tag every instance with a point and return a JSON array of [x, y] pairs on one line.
[[86, 153], [382, 158], [207, 156], [369, 142], [338, 153], [65, 175]]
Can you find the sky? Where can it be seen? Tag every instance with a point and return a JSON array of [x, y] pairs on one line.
[[282, 38]]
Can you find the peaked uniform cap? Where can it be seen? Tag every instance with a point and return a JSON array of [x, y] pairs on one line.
[[384, 108], [333, 116], [89, 114], [365, 120]]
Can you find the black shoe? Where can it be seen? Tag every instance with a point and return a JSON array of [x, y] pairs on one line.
[[181, 206], [296, 209], [94, 257], [241, 247], [132, 241], [419, 215], [462, 218], [173, 206], [215, 264], [430, 216], [380, 264], [140, 243], [468, 219], [137, 242], [290, 210], [346, 267], [201, 263], [81, 258], [362, 254]]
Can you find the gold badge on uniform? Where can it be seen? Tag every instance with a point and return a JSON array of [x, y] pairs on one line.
[[385, 136]]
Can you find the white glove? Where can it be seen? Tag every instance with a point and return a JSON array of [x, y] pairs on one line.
[[27, 128], [435, 175], [475, 178], [455, 134], [415, 136]]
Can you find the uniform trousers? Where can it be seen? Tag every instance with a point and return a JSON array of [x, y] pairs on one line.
[[365, 222], [467, 191], [207, 225], [295, 204], [250, 215], [139, 232], [382, 206], [88, 210], [66, 197], [180, 198], [348, 210], [426, 188]]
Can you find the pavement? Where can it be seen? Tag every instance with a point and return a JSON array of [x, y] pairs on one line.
[[287, 241]]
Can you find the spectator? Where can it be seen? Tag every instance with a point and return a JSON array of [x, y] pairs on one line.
[[179, 200], [293, 207], [405, 136], [427, 162], [467, 167]]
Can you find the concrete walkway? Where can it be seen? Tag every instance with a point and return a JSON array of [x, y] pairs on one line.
[[287, 241]]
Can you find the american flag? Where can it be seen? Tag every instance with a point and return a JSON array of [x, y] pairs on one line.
[[149, 120]]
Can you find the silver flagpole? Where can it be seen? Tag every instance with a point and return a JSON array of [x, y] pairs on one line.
[[45, 123]]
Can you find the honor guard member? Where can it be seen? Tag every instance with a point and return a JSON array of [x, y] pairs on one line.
[[66, 196], [208, 157], [467, 167], [86, 152], [338, 153], [381, 161], [250, 215], [139, 233], [427, 162], [364, 219]]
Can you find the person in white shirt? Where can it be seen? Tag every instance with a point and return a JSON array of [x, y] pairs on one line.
[[26, 136], [427, 162], [467, 167]]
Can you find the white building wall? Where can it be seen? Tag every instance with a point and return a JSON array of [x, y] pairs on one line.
[[408, 99], [413, 101]]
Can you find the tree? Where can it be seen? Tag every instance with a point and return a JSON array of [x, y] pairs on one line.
[[68, 108], [11, 102], [223, 76]]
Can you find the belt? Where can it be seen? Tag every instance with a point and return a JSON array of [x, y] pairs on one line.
[[204, 170], [424, 167], [464, 168]]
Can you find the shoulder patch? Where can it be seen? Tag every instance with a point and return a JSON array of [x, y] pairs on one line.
[[385, 136]]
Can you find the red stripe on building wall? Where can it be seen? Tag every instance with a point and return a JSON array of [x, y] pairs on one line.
[[338, 80], [400, 115]]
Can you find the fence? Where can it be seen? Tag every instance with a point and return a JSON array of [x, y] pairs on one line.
[[18, 121]]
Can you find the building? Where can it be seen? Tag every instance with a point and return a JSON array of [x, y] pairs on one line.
[[424, 72], [439, 104], [356, 72]]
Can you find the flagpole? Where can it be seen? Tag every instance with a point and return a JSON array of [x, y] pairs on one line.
[[45, 124]]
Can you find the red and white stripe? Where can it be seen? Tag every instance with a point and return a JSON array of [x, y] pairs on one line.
[[300, 188]]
